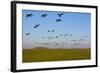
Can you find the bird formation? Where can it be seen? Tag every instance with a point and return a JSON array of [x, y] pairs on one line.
[[58, 19], [58, 36], [43, 16], [58, 44], [59, 15]]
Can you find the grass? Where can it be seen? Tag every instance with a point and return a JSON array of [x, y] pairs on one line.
[[46, 54]]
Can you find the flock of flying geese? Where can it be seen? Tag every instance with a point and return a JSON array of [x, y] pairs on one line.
[[57, 36], [68, 43], [59, 19], [43, 16]]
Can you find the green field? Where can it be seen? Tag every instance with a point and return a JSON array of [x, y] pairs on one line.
[[45, 54]]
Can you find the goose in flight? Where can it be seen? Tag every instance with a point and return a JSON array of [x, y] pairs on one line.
[[29, 15], [27, 34], [44, 15], [59, 20], [37, 25], [60, 14]]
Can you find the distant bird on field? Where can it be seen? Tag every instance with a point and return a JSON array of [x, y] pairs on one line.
[[44, 15], [58, 20], [27, 34], [29, 15], [60, 14]]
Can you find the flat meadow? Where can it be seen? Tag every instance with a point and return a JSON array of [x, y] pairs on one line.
[[41, 54]]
